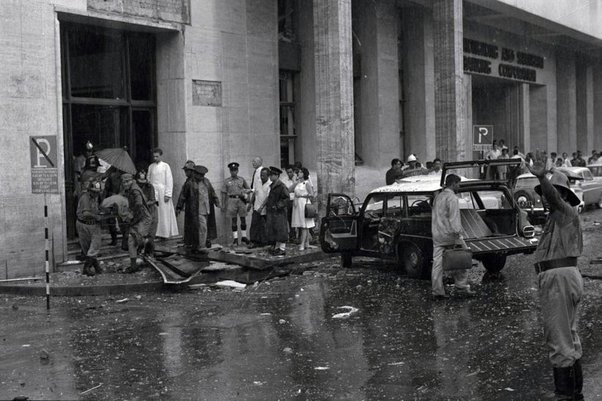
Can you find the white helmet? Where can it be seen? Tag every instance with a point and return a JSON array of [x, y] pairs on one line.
[[411, 158]]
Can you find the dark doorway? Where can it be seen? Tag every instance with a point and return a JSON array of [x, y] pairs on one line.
[[108, 97]]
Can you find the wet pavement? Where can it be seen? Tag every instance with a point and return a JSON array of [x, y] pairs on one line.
[[280, 339]]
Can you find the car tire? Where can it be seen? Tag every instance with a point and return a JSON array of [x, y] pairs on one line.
[[412, 261], [346, 259], [494, 263]]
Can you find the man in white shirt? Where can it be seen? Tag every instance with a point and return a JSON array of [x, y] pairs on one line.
[[258, 219], [257, 164]]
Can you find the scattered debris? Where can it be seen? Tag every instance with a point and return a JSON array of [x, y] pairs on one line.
[[288, 350], [90, 389], [26, 345], [396, 363], [258, 383], [509, 389], [282, 321], [344, 315], [122, 301], [44, 355], [230, 284], [321, 368]]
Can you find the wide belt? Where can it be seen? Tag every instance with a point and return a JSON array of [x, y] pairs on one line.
[[87, 222], [555, 263]]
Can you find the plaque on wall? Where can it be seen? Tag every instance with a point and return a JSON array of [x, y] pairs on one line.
[[206, 93], [165, 10]]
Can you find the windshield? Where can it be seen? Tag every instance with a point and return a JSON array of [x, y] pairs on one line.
[[529, 182]]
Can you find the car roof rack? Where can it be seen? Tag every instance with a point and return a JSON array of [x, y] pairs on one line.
[[477, 163]]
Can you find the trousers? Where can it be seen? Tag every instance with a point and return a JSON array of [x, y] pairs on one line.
[[460, 276], [202, 230], [560, 292], [90, 238]]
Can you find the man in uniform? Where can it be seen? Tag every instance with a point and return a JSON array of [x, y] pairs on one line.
[[560, 283], [447, 230], [276, 206], [235, 189], [88, 229], [140, 222]]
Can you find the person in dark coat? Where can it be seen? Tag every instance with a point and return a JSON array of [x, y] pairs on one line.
[[149, 192], [276, 208], [191, 233], [213, 203], [190, 201]]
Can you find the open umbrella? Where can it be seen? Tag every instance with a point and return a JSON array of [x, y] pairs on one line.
[[118, 158]]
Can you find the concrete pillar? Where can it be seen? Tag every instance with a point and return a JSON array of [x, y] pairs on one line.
[[334, 96], [566, 110], [524, 117], [585, 107], [597, 83], [419, 83], [450, 102], [377, 30]]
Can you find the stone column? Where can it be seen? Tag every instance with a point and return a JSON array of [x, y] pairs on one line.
[[597, 106], [585, 107], [450, 102], [333, 97], [524, 118], [566, 106]]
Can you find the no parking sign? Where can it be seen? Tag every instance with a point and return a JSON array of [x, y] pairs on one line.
[[44, 171]]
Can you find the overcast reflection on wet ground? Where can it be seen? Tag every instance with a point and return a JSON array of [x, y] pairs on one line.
[[279, 340]]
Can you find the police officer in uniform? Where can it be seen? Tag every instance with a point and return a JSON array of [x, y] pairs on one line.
[[88, 227], [235, 190]]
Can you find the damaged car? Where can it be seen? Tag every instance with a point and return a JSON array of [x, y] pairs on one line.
[[394, 222]]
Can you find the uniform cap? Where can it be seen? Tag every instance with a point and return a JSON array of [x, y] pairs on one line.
[[201, 169], [275, 170], [189, 165], [411, 158], [233, 166]]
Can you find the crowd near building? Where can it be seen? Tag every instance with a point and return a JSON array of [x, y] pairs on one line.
[[345, 86]]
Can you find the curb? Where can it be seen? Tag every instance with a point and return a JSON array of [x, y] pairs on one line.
[[74, 291]]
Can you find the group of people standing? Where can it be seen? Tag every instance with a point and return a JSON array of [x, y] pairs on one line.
[[277, 203], [399, 170]]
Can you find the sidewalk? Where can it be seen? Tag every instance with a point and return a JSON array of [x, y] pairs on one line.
[[238, 264]]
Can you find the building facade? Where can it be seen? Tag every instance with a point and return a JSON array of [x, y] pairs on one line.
[[342, 86]]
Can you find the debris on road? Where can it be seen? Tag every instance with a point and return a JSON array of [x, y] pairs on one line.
[[122, 301], [344, 315], [230, 284]]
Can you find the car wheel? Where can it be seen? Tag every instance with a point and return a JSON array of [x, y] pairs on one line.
[[412, 260], [346, 259], [494, 263]]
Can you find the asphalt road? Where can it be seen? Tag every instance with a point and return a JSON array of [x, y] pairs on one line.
[[290, 338]]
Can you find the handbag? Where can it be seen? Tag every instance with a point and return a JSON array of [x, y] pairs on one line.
[[457, 258], [311, 211]]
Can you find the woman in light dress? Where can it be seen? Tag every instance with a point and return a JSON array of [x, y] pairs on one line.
[[304, 191]]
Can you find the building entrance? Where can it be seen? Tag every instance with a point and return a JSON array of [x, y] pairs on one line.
[[108, 97], [497, 102]]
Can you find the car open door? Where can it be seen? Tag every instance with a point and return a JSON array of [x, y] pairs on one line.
[[338, 232]]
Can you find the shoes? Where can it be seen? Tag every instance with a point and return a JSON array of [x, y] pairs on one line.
[[279, 252], [132, 269], [235, 242], [440, 297], [244, 240], [465, 292], [208, 244], [301, 248]]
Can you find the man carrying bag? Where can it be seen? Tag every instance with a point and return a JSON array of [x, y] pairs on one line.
[[447, 233]]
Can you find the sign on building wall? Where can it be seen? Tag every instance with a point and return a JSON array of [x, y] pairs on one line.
[[503, 62], [44, 170], [162, 10], [206, 93], [482, 138]]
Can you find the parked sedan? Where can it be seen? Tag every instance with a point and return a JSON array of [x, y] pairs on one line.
[[583, 179]]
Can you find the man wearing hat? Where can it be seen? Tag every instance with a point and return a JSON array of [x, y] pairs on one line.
[[88, 227], [414, 168], [196, 198], [140, 221], [276, 208], [559, 281], [191, 231], [235, 189]]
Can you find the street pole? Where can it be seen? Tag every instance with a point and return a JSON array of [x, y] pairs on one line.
[[47, 251]]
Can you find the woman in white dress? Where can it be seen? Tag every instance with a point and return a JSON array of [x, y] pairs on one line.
[[304, 191]]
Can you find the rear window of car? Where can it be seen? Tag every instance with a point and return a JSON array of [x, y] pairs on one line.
[[530, 182], [484, 200]]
